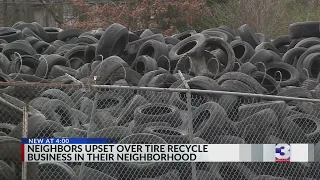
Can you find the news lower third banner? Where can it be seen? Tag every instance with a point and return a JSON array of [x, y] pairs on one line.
[[106, 150]]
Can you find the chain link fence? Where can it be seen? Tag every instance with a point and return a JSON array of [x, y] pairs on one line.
[[147, 115]]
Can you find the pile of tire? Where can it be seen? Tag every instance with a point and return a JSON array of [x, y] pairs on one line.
[[220, 59]]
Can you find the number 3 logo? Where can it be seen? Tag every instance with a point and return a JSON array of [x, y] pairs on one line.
[[282, 151]]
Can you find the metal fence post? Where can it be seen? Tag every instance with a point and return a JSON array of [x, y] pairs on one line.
[[190, 123], [24, 175]]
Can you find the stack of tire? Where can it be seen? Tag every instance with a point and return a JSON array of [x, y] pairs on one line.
[[219, 59]]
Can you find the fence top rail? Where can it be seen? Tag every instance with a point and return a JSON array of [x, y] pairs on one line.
[[117, 87]]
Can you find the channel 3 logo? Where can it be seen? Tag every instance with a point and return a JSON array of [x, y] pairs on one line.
[[283, 152]]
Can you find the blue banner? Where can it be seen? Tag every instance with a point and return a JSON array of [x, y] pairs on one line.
[[67, 141]]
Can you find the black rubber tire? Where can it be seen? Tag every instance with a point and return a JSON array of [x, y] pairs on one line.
[[26, 32], [90, 53], [5, 78], [266, 81], [164, 80], [310, 84], [64, 49], [293, 91], [4, 63], [40, 46], [42, 33], [9, 149], [247, 35], [228, 29], [50, 50], [301, 128], [184, 35], [57, 44], [248, 68], [38, 127], [69, 33], [46, 64], [57, 94], [87, 39], [262, 38], [129, 75], [77, 51], [144, 64], [308, 42], [161, 113], [146, 33], [87, 173], [215, 43], [264, 56], [127, 114], [58, 70], [10, 34], [184, 48], [229, 139], [291, 57], [250, 81], [7, 172], [113, 41], [210, 116], [281, 41], [146, 78], [171, 40], [46, 169], [107, 67], [134, 46], [6, 127], [133, 37], [52, 33], [237, 86], [83, 72], [218, 34], [311, 64], [116, 133], [305, 29], [38, 102], [20, 46], [32, 40], [27, 60], [290, 75], [58, 111], [299, 66], [198, 82], [143, 170], [169, 134], [140, 128], [243, 51], [267, 46], [153, 48]]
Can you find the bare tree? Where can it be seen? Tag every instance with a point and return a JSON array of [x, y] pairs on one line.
[[54, 9]]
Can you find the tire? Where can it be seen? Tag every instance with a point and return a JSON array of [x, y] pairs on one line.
[[50, 50], [237, 86], [133, 37], [32, 40], [57, 44], [42, 33], [210, 116], [6, 127], [20, 46], [127, 114], [157, 113], [40, 46], [87, 39], [228, 139], [213, 42], [26, 32], [10, 34], [218, 34], [38, 102], [10, 148], [143, 170], [248, 68], [247, 35], [69, 33], [75, 62], [46, 169], [52, 33], [292, 91], [113, 41], [46, 64], [4, 63], [169, 134], [144, 64], [77, 51], [299, 66], [71, 133], [146, 78], [247, 110], [115, 133], [58, 70], [290, 75], [164, 80], [7, 172], [310, 84], [267, 46], [146, 33], [64, 49], [304, 29], [185, 47], [264, 56], [83, 72], [57, 94], [250, 81], [243, 51], [58, 111], [308, 42], [171, 40], [228, 29], [311, 64], [291, 56], [184, 35], [5, 78], [30, 61], [153, 48], [107, 67], [141, 128], [281, 41], [90, 53], [230, 103], [38, 127], [267, 81], [86, 173], [262, 38], [134, 46], [301, 128]]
